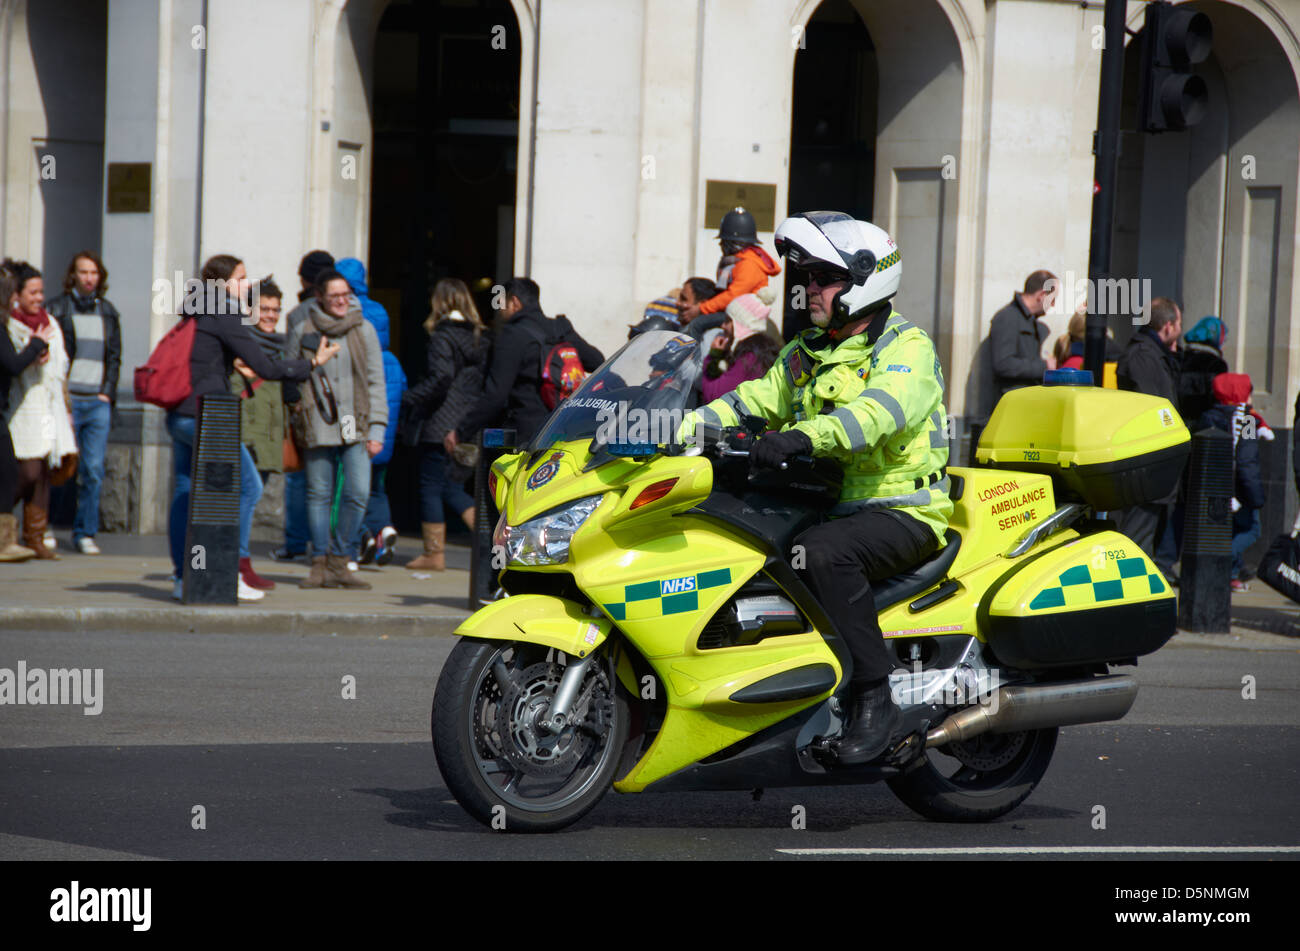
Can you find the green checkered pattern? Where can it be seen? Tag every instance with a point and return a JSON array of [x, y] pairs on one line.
[[888, 261], [645, 600], [1079, 588]]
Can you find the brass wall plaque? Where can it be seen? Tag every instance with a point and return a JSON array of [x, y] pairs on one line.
[[129, 187], [756, 198]]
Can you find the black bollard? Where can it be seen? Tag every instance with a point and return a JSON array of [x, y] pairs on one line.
[[482, 575], [211, 569], [1205, 593]]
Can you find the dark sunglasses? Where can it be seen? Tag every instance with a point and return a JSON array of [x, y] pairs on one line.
[[826, 278]]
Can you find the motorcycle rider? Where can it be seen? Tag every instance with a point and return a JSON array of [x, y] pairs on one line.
[[864, 387]]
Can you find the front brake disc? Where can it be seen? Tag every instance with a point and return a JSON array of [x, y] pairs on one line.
[[525, 744]]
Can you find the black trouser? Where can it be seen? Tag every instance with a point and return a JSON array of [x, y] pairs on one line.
[[1145, 524], [841, 557], [8, 472]]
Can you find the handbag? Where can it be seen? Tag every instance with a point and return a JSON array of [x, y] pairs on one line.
[[65, 470], [1280, 566], [291, 458]]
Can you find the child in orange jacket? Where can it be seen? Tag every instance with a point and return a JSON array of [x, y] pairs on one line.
[[747, 271]]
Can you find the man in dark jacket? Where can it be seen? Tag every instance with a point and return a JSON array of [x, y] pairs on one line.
[[514, 378], [1016, 336], [92, 335], [1232, 415], [1150, 364]]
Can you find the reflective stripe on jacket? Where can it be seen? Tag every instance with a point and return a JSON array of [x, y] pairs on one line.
[[875, 408]]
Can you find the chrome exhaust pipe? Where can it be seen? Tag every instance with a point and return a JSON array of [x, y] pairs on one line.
[[1037, 706]]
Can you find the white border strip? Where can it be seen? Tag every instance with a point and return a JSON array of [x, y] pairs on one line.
[[1057, 850]]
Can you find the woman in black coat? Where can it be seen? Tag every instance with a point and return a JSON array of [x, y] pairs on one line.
[[457, 360], [220, 335]]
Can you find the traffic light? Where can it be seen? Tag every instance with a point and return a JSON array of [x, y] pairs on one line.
[[1174, 39]]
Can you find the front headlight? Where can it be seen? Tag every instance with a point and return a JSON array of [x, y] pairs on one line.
[[543, 540]]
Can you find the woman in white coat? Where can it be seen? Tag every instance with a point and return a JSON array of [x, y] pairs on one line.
[[39, 420]]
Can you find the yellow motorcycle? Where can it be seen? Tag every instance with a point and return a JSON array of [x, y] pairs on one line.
[[656, 634]]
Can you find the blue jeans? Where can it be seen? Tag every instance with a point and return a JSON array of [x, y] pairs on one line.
[[296, 534], [320, 467], [1243, 540], [91, 419], [437, 492], [379, 514], [181, 428]]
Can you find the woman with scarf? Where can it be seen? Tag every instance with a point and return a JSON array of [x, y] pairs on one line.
[[341, 418], [221, 336], [12, 364], [39, 420]]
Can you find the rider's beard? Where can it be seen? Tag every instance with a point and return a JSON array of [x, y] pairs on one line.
[[819, 317]]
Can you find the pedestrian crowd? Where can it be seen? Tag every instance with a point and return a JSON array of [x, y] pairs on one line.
[[324, 401], [1188, 369]]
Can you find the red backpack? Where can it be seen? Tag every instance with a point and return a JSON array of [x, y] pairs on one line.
[[164, 380], [562, 373], [562, 370]]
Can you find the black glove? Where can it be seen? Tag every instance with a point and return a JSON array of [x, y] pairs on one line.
[[775, 449]]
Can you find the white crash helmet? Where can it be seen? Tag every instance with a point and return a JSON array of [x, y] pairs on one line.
[[865, 254]]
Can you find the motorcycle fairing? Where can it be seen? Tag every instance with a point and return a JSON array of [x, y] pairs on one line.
[[538, 619]]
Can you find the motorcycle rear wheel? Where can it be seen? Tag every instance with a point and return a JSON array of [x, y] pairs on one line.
[[995, 774], [500, 767]]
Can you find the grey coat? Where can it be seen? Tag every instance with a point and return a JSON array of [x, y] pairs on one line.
[[338, 371], [1016, 339]]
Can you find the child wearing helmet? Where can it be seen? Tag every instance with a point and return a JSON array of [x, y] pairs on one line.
[[748, 270]]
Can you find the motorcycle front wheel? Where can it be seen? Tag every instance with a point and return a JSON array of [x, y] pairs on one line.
[[979, 779], [498, 759]]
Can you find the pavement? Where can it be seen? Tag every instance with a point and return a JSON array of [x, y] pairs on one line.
[[128, 587]]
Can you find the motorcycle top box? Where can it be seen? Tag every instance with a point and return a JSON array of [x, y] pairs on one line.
[[1109, 448]]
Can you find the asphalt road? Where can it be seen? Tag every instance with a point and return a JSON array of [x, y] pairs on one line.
[[255, 729]]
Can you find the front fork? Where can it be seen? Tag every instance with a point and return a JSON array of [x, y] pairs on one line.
[[557, 718]]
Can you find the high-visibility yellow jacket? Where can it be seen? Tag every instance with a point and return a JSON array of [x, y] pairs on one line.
[[875, 408]]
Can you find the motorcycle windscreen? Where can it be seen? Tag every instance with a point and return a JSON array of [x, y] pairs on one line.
[[633, 403]]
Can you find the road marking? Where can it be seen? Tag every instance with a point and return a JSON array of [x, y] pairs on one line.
[[1055, 850]]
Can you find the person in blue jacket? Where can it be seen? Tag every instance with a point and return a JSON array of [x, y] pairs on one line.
[[378, 536]]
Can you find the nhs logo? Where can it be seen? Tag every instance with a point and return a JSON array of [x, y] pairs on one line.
[[677, 585]]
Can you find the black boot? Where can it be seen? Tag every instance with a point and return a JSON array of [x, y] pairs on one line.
[[874, 718]]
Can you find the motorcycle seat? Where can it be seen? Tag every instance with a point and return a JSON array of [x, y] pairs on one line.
[[914, 580]]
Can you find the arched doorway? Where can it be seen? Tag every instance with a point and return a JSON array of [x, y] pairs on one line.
[[833, 125], [445, 108], [56, 60], [876, 131]]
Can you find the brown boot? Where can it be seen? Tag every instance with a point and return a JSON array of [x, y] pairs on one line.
[[319, 575], [433, 559], [35, 521], [336, 569], [10, 550]]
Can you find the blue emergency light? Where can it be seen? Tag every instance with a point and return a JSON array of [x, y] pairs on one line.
[[1067, 377]]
